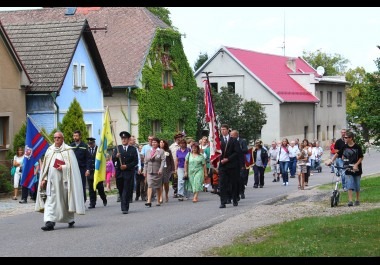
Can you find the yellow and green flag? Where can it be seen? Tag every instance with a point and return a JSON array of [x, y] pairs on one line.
[[100, 159]]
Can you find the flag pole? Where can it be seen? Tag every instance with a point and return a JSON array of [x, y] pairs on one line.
[[113, 133], [215, 151], [39, 130]]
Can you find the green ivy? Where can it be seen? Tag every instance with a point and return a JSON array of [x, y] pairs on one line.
[[169, 106]]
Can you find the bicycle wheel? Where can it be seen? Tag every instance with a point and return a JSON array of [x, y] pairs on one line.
[[337, 196], [333, 198]]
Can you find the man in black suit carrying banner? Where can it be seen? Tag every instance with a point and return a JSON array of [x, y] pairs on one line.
[[229, 168]]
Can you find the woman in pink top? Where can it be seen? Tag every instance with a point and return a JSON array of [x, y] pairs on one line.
[[110, 171]]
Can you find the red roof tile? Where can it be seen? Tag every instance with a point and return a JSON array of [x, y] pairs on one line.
[[123, 48], [274, 72]]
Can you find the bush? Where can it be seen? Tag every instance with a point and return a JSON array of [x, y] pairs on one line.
[[5, 179]]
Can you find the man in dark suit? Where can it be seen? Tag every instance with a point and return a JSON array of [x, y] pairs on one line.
[[81, 154], [243, 180], [229, 168], [92, 148], [126, 159]]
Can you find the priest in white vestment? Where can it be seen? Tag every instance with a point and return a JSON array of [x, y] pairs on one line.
[[60, 183]]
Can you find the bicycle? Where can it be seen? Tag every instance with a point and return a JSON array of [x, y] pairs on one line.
[[335, 196]]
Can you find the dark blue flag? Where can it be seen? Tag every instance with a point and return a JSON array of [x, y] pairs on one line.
[[35, 147]]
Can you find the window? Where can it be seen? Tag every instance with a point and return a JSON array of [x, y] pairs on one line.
[[339, 99], [89, 129], [318, 131], [75, 76], [321, 98], [180, 126], [156, 127], [333, 131], [231, 87], [329, 99], [327, 132], [83, 76], [167, 76], [305, 132], [167, 81], [214, 88], [3, 131]]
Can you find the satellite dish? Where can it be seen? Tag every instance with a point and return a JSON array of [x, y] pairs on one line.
[[320, 70]]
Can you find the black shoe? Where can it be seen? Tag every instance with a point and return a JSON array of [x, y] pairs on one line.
[[48, 226], [274, 180], [222, 206], [148, 204], [242, 196], [105, 202], [125, 212], [255, 186], [292, 177], [91, 206], [228, 202], [137, 198], [71, 224], [118, 199], [23, 201], [261, 186], [278, 179], [235, 204]]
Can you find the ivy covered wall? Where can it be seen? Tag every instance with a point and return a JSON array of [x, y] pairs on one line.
[[169, 106]]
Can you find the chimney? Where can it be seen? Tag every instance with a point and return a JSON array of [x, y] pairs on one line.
[[291, 64]]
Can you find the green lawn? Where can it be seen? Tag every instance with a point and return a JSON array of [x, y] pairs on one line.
[[348, 235]]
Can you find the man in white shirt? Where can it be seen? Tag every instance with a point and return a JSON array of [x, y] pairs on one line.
[[173, 148]]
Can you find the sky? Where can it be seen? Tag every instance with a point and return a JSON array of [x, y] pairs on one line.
[[351, 32]]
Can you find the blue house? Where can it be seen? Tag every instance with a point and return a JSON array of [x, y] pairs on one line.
[[64, 63]]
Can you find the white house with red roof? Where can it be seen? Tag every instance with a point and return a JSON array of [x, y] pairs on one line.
[[299, 102]]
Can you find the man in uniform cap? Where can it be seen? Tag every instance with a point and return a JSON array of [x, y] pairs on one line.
[[126, 159], [92, 148]]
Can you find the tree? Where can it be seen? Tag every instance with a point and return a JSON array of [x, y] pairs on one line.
[[252, 120], [18, 140], [73, 120], [333, 64], [366, 111], [248, 117], [202, 58], [162, 13]]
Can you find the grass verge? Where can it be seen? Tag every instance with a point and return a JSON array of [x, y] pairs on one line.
[[347, 235]]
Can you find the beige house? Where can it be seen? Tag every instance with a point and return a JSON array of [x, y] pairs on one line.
[[299, 101], [13, 82]]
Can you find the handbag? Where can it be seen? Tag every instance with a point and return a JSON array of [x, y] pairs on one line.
[[13, 171]]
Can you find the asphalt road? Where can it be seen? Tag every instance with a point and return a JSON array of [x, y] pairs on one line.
[[106, 232]]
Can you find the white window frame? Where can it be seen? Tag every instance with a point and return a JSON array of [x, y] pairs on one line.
[[83, 76], [75, 76]]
